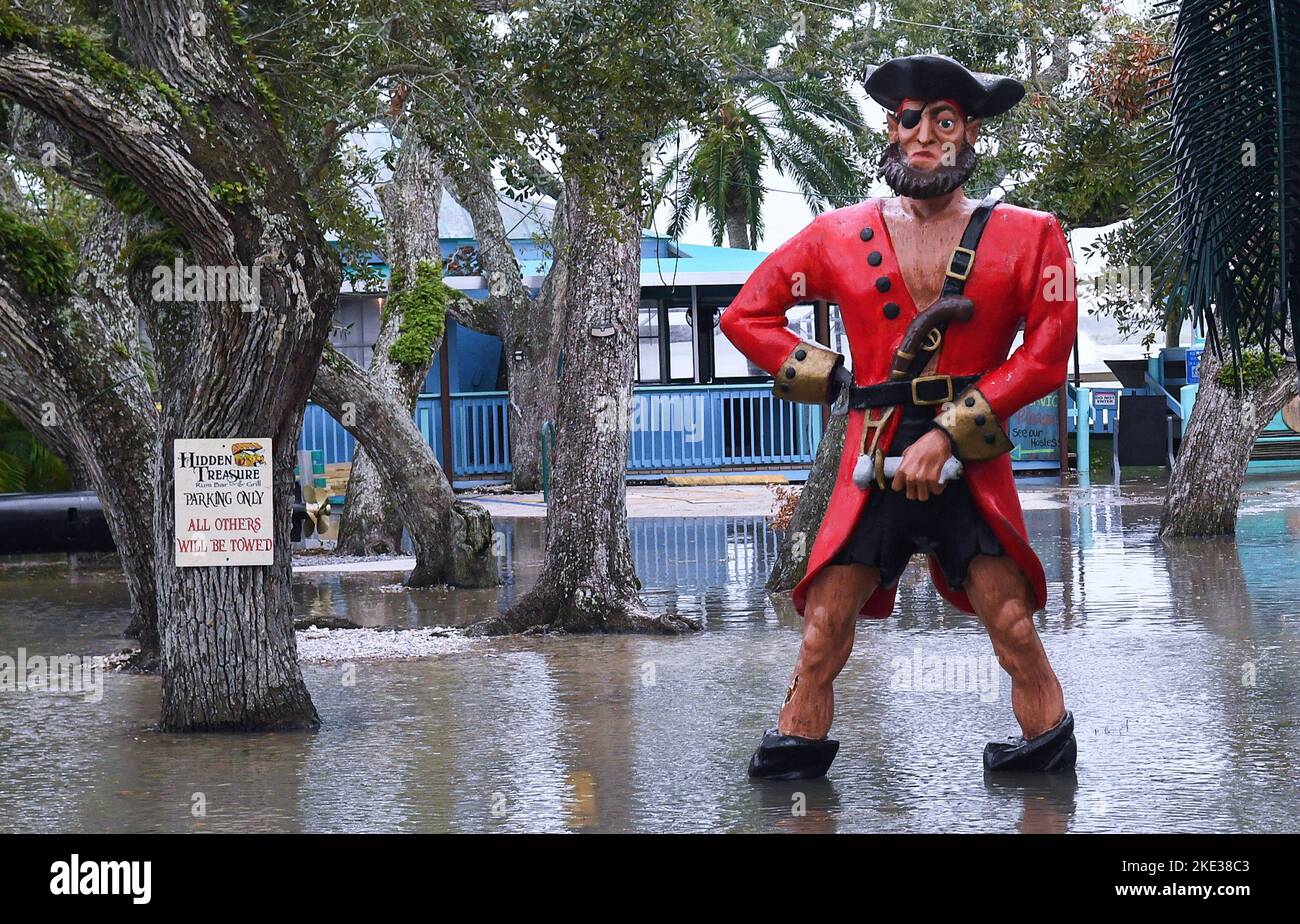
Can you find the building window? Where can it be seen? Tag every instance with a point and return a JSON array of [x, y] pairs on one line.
[[355, 326], [729, 362], [681, 344], [666, 349], [672, 350], [802, 321], [647, 341]]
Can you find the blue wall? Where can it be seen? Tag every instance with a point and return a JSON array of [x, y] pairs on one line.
[[475, 361]]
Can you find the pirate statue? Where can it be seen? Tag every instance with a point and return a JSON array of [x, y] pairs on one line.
[[932, 288]]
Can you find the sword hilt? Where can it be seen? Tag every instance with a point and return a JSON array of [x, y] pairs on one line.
[[865, 471]]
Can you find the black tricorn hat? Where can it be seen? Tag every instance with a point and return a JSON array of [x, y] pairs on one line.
[[930, 77]]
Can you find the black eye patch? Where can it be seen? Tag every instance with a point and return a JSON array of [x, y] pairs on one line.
[[910, 118]]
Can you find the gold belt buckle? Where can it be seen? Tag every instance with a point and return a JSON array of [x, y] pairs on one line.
[[970, 263], [916, 399]]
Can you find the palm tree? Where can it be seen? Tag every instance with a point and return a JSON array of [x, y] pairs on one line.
[[1223, 215], [1223, 206], [807, 127]]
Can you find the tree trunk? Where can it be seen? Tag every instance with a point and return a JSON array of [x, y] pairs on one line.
[[453, 542], [792, 558], [229, 657], [532, 384], [529, 337], [588, 581], [209, 155], [1205, 485], [370, 523], [226, 368], [738, 227], [529, 411], [80, 361], [410, 204]]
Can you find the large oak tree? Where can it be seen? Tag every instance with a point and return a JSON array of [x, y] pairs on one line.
[[183, 116]]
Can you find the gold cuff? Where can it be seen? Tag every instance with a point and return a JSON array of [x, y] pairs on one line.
[[806, 374], [973, 428]]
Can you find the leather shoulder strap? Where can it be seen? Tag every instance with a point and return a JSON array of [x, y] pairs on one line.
[[963, 258], [959, 269]]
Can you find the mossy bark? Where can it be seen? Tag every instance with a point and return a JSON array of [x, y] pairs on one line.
[[89, 398], [1205, 486], [227, 650], [422, 494], [408, 478]]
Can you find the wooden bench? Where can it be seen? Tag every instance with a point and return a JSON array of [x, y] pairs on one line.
[[1276, 445]]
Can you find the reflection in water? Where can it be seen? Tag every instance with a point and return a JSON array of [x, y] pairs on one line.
[[1175, 657], [1045, 802]]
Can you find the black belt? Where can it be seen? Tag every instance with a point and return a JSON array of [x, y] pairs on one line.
[[923, 390]]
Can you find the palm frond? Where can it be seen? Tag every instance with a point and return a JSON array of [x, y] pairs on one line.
[[679, 194], [1222, 199], [805, 128], [25, 463]]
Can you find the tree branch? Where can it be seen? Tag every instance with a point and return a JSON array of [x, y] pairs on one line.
[[473, 187], [133, 129], [37, 140]]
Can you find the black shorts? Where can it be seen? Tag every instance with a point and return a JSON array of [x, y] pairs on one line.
[[891, 528]]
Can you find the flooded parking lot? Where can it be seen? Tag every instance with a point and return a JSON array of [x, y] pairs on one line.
[[1178, 662]]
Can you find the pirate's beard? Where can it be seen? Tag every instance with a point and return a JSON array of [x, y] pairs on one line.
[[926, 184]]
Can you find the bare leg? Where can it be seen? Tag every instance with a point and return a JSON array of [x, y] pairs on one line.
[[1004, 603], [835, 597]]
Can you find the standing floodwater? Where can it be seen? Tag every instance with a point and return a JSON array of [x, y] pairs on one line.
[[1175, 659]]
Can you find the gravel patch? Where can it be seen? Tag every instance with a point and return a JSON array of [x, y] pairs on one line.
[[322, 558], [329, 646]]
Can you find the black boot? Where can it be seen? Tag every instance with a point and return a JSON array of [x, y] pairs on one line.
[[1053, 750], [789, 757]]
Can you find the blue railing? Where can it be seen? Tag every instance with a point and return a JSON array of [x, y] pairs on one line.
[[480, 444], [478, 419], [1105, 405], [677, 428], [323, 432], [674, 428]]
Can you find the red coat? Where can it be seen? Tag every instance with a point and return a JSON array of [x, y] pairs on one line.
[[1022, 272]]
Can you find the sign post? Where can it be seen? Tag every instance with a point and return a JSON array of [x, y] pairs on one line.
[[224, 514]]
